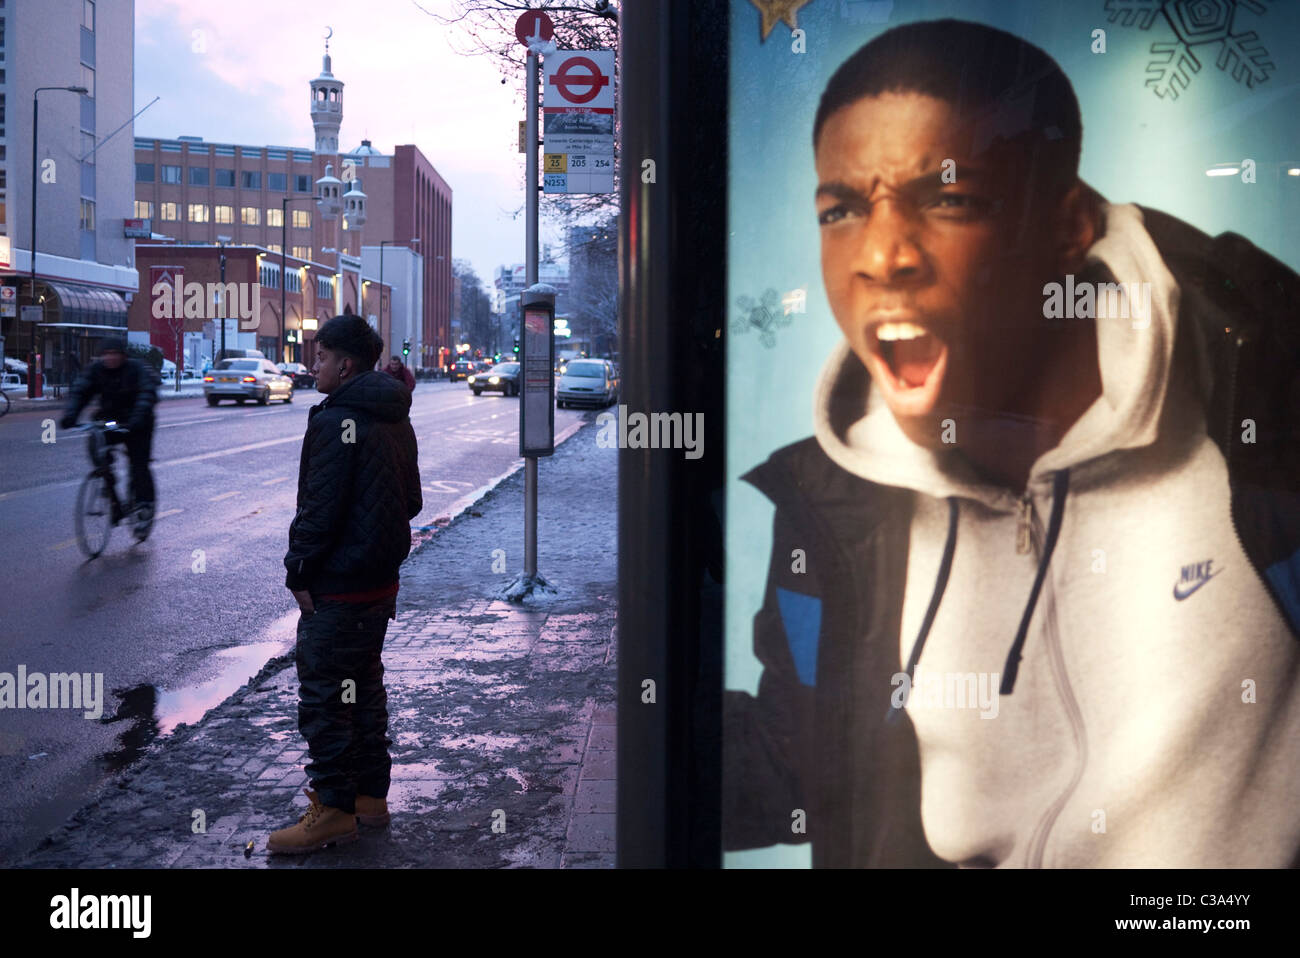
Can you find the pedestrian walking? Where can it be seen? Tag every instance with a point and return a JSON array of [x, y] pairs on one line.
[[358, 489], [400, 371]]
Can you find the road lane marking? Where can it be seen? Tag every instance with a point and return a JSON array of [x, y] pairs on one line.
[[191, 422], [271, 482], [224, 495], [63, 545], [234, 451], [184, 460]]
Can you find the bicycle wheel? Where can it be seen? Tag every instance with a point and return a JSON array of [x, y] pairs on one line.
[[94, 515]]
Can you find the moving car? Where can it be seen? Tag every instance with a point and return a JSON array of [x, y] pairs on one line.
[[300, 374], [593, 381], [460, 370], [243, 379], [503, 379]]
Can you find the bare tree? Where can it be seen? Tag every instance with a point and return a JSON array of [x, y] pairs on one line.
[[487, 28], [592, 250], [475, 312]]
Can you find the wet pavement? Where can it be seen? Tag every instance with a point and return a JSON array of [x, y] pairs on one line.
[[502, 716]]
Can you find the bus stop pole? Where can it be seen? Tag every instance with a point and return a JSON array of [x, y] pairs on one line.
[[530, 242]]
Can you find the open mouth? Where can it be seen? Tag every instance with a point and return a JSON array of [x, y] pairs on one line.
[[910, 364]]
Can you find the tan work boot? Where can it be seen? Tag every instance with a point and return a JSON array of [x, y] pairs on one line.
[[372, 811], [318, 827]]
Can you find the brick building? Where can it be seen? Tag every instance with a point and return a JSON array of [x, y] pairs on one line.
[[263, 198]]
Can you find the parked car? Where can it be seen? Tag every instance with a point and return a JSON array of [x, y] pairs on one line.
[[17, 368], [243, 379], [187, 376], [300, 374], [460, 370], [592, 381], [502, 379]]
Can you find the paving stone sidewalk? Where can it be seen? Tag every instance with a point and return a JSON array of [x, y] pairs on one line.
[[501, 715]]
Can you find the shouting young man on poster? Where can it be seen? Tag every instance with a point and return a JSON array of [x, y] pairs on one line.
[[1044, 603]]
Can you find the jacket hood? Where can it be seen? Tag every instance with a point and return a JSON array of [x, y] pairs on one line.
[[374, 393], [857, 430]]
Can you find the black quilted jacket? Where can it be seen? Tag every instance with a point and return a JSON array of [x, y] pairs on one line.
[[126, 394], [358, 489]]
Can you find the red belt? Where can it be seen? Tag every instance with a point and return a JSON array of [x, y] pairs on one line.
[[372, 595]]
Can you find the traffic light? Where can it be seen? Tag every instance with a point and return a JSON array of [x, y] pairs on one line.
[[516, 344], [406, 347], [497, 357]]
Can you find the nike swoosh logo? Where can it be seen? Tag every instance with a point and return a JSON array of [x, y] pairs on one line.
[[1182, 595]]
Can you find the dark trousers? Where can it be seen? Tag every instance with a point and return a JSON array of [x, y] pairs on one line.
[[342, 703], [139, 446]]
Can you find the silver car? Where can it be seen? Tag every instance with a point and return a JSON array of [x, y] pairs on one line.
[[592, 381], [243, 379]]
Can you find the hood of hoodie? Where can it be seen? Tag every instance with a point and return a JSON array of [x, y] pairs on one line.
[[376, 394], [855, 427]]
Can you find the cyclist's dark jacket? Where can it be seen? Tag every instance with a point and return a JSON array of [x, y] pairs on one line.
[[816, 737], [358, 489], [126, 394]]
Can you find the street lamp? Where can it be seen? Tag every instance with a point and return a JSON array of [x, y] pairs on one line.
[[382, 243], [284, 232], [31, 378]]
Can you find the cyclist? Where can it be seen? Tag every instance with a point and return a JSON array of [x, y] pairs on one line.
[[127, 390]]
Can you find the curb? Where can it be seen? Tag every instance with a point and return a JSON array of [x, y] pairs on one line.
[[23, 404]]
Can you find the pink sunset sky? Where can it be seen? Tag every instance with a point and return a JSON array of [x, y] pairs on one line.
[[237, 72]]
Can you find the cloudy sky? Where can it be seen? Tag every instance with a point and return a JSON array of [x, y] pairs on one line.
[[237, 71]]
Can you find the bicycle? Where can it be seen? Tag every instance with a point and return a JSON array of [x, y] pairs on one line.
[[98, 507]]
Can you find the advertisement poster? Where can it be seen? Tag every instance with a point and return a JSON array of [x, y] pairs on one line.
[[1013, 531]]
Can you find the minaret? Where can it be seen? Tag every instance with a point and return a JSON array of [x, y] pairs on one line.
[[326, 106]]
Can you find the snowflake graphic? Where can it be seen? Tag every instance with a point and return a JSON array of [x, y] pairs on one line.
[[1196, 23], [765, 314]]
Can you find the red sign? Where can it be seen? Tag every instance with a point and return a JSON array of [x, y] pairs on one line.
[[565, 80], [534, 26]]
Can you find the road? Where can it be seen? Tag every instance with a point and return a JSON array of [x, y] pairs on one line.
[[176, 623]]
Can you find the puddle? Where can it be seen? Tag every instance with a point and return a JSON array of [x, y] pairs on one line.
[[137, 706], [236, 666], [151, 712]]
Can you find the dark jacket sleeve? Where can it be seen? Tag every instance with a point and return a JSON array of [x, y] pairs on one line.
[[323, 494], [761, 767], [414, 494], [146, 394], [83, 391]]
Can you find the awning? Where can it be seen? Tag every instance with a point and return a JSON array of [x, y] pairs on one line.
[[87, 307], [113, 329]]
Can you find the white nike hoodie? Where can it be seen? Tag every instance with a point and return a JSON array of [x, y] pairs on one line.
[[1155, 717]]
